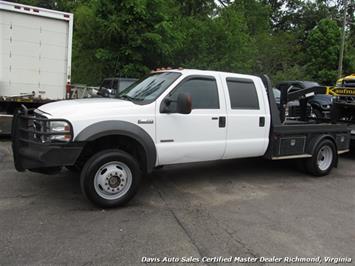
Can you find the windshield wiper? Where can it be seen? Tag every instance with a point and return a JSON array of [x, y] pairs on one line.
[[126, 97]]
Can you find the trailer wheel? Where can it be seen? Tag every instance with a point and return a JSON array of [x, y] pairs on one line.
[[323, 159], [110, 178]]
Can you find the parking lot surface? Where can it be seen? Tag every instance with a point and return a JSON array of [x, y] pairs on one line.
[[246, 208]]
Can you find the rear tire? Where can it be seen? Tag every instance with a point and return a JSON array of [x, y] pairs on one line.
[[323, 159], [110, 178]]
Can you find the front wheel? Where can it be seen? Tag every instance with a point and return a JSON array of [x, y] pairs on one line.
[[323, 159], [110, 178]]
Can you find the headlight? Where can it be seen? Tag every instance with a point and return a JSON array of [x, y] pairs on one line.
[[61, 129]]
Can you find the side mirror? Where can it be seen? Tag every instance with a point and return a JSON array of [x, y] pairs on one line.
[[165, 104], [184, 104]]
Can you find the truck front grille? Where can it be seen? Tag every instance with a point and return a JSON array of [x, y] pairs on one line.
[[40, 125], [32, 127]]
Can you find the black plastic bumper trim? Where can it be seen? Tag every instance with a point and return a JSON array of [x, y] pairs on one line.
[[44, 156]]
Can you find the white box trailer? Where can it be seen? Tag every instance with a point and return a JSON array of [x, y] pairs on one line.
[[35, 55]]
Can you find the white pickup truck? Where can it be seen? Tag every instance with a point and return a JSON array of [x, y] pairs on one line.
[[168, 117]]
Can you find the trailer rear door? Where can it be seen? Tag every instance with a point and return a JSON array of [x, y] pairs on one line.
[[34, 52]]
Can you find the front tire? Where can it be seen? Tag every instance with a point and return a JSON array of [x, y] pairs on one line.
[[323, 159], [110, 178]]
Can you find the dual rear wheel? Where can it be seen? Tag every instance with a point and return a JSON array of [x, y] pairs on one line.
[[323, 159]]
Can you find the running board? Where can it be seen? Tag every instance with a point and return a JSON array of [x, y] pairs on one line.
[[291, 157], [301, 156]]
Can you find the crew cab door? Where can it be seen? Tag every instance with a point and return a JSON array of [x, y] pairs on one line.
[[248, 117], [198, 136]]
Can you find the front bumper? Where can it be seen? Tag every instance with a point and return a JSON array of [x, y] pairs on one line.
[[30, 152]]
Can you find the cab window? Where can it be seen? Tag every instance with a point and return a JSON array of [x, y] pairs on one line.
[[242, 94], [203, 92]]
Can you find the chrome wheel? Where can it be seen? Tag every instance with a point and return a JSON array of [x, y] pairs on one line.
[[113, 180], [325, 157]]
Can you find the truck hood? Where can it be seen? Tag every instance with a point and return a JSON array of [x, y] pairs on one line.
[[84, 107]]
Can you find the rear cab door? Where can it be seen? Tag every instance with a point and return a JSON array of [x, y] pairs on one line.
[[248, 116]]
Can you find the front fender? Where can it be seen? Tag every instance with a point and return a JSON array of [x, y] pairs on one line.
[[123, 128]]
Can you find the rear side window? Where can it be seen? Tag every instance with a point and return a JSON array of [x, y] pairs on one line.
[[203, 91], [242, 94]]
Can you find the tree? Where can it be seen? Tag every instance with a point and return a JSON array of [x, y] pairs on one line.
[[323, 51], [122, 37], [221, 42], [287, 39]]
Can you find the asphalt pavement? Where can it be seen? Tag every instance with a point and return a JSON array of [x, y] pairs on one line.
[[248, 208]]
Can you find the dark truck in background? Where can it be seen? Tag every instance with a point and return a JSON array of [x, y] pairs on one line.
[[111, 87], [319, 105], [323, 103]]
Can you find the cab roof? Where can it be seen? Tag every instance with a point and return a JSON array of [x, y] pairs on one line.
[[203, 72]]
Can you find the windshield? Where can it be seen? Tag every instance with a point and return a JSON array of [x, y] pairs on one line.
[[149, 88]]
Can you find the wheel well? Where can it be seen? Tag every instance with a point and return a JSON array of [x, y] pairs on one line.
[[332, 140], [327, 137], [125, 143]]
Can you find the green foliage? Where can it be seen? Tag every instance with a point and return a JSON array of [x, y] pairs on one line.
[[287, 39], [295, 72], [323, 51], [221, 43]]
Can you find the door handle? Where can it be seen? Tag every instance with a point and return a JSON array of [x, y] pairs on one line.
[[222, 121], [214, 118], [261, 121]]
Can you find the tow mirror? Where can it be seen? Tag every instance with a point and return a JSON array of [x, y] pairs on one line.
[[165, 105], [184, 104]]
